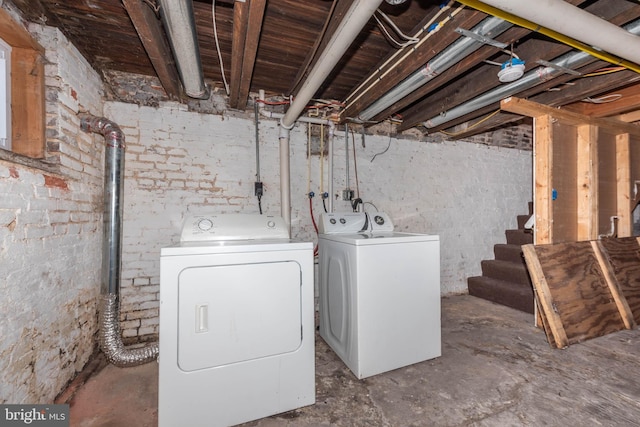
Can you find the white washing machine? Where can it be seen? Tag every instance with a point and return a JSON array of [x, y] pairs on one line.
[[379, 292], [236, 322]]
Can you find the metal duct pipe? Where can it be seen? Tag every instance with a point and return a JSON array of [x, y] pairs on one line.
[[463, 47], [571, 21], [533, 78], [110, 338], [179, 22]]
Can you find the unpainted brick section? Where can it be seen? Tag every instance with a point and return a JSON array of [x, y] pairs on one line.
[[50, 235]]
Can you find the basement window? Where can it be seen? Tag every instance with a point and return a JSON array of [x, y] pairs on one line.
[[5, 95], [22, 90]]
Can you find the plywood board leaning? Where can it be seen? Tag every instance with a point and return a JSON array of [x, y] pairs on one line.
[[573, 292], [624, 256]]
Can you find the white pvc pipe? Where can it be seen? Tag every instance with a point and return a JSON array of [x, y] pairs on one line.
[[569, 20], [354, 20], [332, 129]]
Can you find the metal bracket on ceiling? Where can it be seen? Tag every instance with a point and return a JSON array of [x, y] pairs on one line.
[[481, 38], [558, 67]]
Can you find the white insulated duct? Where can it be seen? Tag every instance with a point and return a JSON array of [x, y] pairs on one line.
[[179, 22], [352, 23], [569, 20], [463, 47], [533, 78]]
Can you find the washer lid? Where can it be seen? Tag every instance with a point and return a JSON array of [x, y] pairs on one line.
[[361, 239], [217, 227]]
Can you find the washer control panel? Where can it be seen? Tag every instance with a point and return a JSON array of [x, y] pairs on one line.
[[217, 227], [380, 222], [354, 222]]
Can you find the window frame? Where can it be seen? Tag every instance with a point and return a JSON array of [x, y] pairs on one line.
[[27, 89]]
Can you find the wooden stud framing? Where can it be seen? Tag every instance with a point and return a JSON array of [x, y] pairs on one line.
[[543, 153], [587, 180], [589, 163], [623, 181]]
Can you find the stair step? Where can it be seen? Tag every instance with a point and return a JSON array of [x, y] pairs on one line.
[[506, 252], [515, 273], [519, 237], [522, 220], [501, 292]]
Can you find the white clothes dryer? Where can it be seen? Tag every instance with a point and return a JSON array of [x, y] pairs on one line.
[[236, 322], [379, 292]]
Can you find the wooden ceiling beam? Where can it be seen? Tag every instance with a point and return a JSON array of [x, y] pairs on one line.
[[624, 100], [395, 73], [35, 11], [480, 81], [247, 26], [336, 14], [153, 39], [533, 109], [483, 53]]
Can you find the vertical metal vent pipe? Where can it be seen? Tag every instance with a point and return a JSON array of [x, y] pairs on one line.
[[109, 310]]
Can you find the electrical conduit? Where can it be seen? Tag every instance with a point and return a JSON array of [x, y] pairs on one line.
[[570, 25], [463, 47], [533, 78]]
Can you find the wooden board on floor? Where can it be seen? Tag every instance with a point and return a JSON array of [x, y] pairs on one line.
[[624, 256], [573, 292]]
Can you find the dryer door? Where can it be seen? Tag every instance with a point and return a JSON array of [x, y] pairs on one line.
[[234, 313]]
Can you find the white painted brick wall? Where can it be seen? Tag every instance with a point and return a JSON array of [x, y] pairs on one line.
[[180, 163], [50, 235]]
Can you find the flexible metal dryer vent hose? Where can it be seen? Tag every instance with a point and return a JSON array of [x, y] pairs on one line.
[[110, 337]]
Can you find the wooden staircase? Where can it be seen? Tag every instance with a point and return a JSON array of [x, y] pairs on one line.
[[505, 279]]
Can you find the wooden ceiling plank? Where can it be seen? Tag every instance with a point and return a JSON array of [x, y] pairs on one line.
[[35, 11], [533, 109], [152, 36], [510, 36], [240, 25], [418, 59], [335, 15], [567, 94], [480, 81], [256, 16]]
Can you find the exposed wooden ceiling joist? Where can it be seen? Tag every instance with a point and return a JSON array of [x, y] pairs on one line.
[[271, 45], [150, 31]]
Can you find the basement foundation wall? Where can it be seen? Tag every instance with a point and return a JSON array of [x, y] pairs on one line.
[[180, 162], [50, 235]]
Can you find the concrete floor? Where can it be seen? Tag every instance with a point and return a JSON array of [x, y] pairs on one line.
[[496, 369]]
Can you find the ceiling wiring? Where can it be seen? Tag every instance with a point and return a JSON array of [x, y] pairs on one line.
[[388, 145], [603, 99], [215, 36], [409, 40], [430, 28], [476, 124]]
